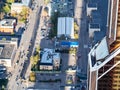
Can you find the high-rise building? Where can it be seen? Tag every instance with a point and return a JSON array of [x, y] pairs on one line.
[[104, 57]]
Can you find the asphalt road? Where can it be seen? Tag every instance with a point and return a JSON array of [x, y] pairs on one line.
[[83, 49], [14, 82]]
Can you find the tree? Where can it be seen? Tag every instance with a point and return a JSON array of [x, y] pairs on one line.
[[46, 1], [24, 14], [4, 39], [38, 49], [32, 77], [76, 26], [10, 1], [31, 58], [6, 8]]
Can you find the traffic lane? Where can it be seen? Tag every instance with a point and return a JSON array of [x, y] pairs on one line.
[[13, 77], [82, 51]]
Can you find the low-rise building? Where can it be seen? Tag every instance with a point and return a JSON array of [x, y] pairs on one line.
[[7, 52], [18, 7], [27, 2], [50, 60], [65, 27], [7, 25]]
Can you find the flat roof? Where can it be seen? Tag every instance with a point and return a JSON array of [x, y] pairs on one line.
[[7, 22], [100, 16], [98, 36], [17, 4], [26, 2], [93, 5], [7, 50], [56, 55], [47, 56], [94, 25], [65, 26], [95, 14]]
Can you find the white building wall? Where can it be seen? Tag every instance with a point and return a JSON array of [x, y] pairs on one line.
[[6, 62], [16, 7], [89, 10]]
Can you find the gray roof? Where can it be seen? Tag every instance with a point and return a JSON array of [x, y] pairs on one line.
[[94, 25], [102, 10], [95, 14], [93, 5], [98, 36], [6, 51], [7, 22]]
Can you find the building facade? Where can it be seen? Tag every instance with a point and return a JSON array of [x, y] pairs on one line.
[[7, 25]]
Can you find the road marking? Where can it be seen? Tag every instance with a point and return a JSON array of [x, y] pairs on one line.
[[85, 46]]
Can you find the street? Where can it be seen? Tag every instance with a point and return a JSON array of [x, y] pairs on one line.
[[21, 54]]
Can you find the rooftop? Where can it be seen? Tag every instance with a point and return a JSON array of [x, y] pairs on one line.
[[97, 53], [6, 51], [47, 56], [100, 16], [92, 5], [7, 22], [56, 55], [17, 4], [94, 25], [26, 2], [65, 26]]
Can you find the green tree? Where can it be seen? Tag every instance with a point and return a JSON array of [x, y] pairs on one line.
[[38, 49], [6, 8], [4, 39], [32, 77], [10, 1], [31, 58], [24, 14], [46, 1], [76, 27]]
